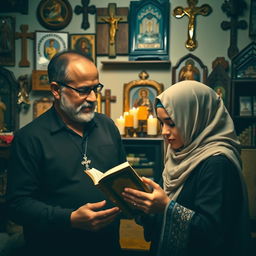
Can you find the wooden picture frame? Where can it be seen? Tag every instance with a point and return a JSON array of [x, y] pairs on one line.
[[189, 67], [149, 30], [220, 81], [9, 116], [133, 89], [54, 14], [84, 44], [41, 105], [47, 44], [7, 36], [20, 6], [40, 80]]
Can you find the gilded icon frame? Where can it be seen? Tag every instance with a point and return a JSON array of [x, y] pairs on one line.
[[41, 105], [76, 40], [54, 15], [40, 80]]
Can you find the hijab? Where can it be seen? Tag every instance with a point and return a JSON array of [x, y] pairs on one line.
[[205, 126]]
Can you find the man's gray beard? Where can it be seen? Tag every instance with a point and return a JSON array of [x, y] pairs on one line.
[[75, 114]]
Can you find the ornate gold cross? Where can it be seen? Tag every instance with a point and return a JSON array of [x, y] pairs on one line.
[[113, 21], [191, 11]]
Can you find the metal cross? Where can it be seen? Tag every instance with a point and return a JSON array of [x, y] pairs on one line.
[[86, 162], [85, 9]]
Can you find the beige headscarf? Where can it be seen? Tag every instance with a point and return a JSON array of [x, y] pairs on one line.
[[206, 127]]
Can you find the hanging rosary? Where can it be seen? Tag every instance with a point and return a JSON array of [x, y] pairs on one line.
[[85, 160]]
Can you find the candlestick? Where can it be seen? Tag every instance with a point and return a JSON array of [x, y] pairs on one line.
[[152, 125], [142, 113], [128, 120], [120, 125]]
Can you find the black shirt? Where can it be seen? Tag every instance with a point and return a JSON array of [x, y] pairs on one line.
[[46, 182]]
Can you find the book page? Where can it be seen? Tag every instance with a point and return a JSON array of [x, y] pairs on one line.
[[95, 175], [116, 169]]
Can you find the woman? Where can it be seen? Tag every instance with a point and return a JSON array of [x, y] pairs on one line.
[[203, 206]]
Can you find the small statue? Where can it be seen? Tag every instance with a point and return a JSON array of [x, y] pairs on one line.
[[23, 95]]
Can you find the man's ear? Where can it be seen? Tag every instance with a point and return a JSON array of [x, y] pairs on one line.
[[55, 89]]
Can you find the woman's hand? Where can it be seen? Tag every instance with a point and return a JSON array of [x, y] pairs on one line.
[[154, 202]]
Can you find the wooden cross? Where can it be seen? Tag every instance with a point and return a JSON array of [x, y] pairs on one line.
[[233, 8], [85, 9], [113, 20], [108, 99], [24, 35], [191, 11]]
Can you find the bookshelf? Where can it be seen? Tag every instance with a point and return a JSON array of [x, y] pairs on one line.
[[146, 155], [243, 95]]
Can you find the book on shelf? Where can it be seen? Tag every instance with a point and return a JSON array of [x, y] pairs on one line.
[[113, 182]]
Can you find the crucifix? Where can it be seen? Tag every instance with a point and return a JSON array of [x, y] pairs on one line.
[[85, 9], [112, 19], [191, 11], [108, 99], [233, 8], [24, 35]]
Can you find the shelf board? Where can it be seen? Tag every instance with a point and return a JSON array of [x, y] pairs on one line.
[[132, 62]]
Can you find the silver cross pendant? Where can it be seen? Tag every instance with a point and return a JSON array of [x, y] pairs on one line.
[[86, 162]]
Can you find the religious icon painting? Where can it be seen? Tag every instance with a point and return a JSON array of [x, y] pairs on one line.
[[84, 44], [189, 67], [112, 25], [141, 92], [7, 41], [54, 14], [149, 30], [40, 81], [47, 44]]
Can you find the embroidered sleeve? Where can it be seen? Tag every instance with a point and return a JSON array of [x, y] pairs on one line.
[[175, 230]]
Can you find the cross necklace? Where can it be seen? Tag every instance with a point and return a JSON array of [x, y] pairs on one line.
[[85, 160]]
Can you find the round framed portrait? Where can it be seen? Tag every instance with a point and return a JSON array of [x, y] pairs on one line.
[[54, 14]]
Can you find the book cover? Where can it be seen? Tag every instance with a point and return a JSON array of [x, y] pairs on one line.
[[113, 182]]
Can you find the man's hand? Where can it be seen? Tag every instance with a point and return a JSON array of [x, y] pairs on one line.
[[89, 217]]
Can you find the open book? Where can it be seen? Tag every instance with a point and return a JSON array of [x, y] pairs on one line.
[[113, 182]]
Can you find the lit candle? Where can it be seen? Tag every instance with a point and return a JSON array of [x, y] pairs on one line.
[[143, 113], [128, 120], [120, 125], [152, 125], [134, 112]]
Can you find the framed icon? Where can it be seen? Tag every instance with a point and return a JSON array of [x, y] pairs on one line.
[[40, 106], [7, 41], [47, 44], [84, 44], [40, 81], [149, 30], [54, 14], [189, 67], [138, 91]]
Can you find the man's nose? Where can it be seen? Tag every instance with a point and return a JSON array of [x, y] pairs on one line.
[[92, 96]]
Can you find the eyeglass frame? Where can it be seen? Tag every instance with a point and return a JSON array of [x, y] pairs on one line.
[[80, 91]]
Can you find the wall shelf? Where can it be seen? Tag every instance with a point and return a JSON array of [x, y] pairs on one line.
[[132, 62]]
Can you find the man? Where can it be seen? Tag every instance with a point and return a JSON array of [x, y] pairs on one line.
[[61, 210]]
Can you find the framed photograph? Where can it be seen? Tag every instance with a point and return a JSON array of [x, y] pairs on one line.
[[141, 92], [47, 44], [40, 80], [54, 14], [41, 105], [189, 67], [149, 30], [84, 44], [20, 6], [245, 103], [7, 41]]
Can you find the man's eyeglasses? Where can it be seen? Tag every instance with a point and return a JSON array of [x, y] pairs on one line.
[[84, 90]]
